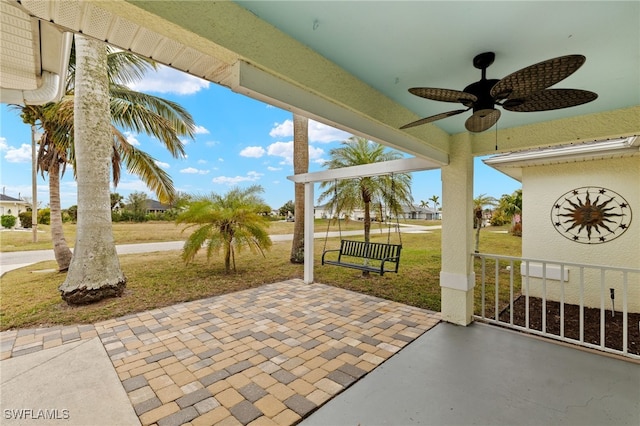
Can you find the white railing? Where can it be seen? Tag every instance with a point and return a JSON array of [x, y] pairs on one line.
[[560, 300]]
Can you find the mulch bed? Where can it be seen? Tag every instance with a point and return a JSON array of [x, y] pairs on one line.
[[613, 324]]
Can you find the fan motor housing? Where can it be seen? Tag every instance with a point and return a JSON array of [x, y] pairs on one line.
[[481, 89]]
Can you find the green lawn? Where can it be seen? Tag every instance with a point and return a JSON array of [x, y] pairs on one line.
[[29, 298]]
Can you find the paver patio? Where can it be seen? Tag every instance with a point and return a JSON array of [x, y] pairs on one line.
[[268, 355]]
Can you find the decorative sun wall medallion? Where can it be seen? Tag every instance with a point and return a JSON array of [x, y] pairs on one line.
[[591, 215]]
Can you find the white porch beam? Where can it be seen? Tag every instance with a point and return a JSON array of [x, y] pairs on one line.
[[403, 165], [308, 232], [261, 85]]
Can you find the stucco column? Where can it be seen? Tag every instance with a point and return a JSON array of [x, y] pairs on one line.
[[456, 277]]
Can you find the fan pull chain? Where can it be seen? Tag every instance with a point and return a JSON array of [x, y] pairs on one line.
[[496, 136]]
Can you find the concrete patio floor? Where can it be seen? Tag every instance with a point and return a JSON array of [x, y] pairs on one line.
[[289, 352], [269, 355], [485, 375]]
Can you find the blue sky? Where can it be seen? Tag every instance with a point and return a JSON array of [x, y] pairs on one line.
[[239, 142]]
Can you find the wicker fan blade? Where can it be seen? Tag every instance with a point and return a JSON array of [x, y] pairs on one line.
[[482, 120], [549, 99], [531, 79], [443, 95], [433, 118]]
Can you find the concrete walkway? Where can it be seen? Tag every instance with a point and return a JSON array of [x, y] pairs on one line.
[[18, 259], [264, 356]]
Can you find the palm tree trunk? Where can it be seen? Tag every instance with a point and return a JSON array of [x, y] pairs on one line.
[[477, 217], [60, 247], [300, 165], [227, 256], [95, 271]]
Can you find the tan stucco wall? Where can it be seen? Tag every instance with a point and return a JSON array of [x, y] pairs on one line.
[[15, 207], [542, 185]]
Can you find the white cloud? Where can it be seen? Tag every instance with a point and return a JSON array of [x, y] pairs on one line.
[[220, 159], [282, 149], [318, 132], [274, 169], [282, 130], [133, 185], [194, 171], [132, 139], [322, 133], [228, 180], [162, 164], [3, 144], [212, 143], [17, 155], [168, 80], [184, 141], [315, 155], [201, 130], [285, 151], [253, 152], [202, 161]]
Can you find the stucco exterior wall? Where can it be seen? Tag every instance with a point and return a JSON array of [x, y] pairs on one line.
[[542, 186], [13, 208]]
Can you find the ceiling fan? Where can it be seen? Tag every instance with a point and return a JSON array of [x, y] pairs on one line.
[[525, 90]]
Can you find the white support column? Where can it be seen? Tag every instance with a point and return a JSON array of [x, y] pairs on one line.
[[308, 233], [457, 278]]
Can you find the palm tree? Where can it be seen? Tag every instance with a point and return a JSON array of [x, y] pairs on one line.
[[347, 195], [424, 204], [94, 272], [165, 120], [53, 161], [436, 202], [512, 204], [300, 165], [226, 222], [479, 203]]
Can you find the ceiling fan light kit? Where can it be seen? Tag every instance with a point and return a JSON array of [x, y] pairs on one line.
[[526, 90]]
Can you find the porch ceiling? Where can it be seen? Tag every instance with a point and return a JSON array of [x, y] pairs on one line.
[[349, 64]]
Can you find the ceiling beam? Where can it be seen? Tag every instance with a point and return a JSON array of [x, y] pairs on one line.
[[268, 88]]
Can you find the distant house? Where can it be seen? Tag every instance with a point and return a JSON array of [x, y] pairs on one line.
[[414, 211], [408, 212], [153, 206], [12, 206]]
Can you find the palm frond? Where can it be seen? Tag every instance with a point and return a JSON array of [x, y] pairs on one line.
[[145, 167]]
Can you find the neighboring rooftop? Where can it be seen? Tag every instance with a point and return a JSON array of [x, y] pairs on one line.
[[4, 197]]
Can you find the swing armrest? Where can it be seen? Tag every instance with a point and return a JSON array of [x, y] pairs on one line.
[[395, 259], [328, 251]]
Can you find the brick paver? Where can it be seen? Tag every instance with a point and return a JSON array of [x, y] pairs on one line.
[[268, 355]]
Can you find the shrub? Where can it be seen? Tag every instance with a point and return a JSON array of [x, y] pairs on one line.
[[516, 230], [72, 213], [25, 219], [8, 221], [498, 218], [44, 216]]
